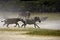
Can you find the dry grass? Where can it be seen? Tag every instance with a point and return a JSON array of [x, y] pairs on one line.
[[33, 31]]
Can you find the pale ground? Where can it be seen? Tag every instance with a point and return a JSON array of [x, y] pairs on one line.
[[54, 24], [19, 36]]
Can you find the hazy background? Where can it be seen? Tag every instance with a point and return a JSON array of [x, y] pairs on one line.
[[41, 8], [9, 7]]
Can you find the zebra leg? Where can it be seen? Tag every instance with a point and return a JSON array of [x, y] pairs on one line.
[[37, 25], [18, 25], [34, 25], [7, 25], [3, 24], [15, 25], [22, 25]]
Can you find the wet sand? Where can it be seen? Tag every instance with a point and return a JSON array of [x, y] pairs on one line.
[[18, 36]]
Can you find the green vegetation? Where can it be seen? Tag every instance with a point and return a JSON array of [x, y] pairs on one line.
[[33, 31], [34, 6], [44, 32], [16, 29], [40, 5]]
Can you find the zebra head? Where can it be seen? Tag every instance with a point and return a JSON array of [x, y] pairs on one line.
[[37, 19]]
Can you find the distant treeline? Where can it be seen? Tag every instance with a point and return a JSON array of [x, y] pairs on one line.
[[32, 5], [42, 5]]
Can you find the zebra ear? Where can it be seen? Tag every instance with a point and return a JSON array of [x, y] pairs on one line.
[[43, 18]]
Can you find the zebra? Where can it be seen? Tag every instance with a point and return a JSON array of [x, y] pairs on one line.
[[25, 14], [31, 21], [11, 21]]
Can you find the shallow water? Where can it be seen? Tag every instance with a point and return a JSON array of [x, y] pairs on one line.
[[52, 24]]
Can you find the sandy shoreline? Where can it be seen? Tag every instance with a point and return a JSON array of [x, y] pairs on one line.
[[18, 36]]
